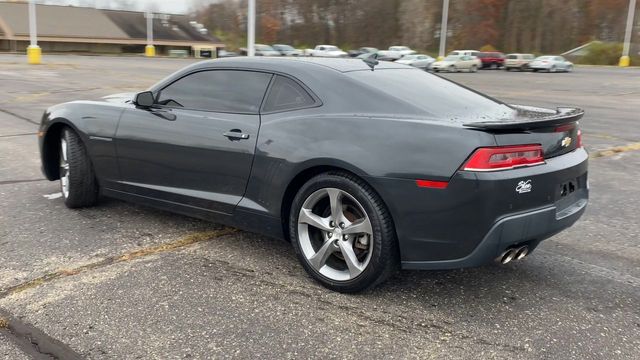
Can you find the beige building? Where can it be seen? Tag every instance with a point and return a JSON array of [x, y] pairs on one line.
[[81, 29]]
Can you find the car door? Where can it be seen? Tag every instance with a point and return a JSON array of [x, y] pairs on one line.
[[465, 62], [195, 146], [421, 62], [563, 62]]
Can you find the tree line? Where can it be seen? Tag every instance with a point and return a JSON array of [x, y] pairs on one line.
[[538, 26]]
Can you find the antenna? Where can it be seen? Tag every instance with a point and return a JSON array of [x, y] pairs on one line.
[[371, 60]]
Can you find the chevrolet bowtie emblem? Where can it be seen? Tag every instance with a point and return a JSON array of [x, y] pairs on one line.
[[566, 142]]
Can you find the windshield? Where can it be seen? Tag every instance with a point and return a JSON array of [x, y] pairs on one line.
[[398, 48], [435, 96], [264, 47], [409, 57], [452, 58], [284, 47]]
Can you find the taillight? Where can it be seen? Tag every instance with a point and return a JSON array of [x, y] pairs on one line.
[[579, 139], [504, 157]]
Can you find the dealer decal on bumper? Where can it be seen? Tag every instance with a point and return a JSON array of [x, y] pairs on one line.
[[524, 186]]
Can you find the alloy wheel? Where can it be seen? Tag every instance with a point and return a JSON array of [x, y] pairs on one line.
[[335, 234], [64, 167]]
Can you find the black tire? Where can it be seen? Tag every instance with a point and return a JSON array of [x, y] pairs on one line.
[[83, 187], [384, 259]]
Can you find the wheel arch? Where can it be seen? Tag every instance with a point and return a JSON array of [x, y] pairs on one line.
[[51, 150], [307, 174]]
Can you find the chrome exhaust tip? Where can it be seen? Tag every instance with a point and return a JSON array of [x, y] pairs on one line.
[[521, 252], [507, 256]]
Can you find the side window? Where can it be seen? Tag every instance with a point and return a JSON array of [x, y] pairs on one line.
[[286, 94], [217, 90]]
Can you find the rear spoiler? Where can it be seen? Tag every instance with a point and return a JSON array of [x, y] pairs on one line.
[[529, 117]]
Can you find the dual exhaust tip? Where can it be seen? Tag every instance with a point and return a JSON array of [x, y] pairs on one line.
[[514, 253]]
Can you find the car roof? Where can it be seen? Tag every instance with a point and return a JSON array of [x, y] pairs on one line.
[[295, 64]]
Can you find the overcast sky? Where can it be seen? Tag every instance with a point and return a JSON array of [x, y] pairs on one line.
[[165, 6]]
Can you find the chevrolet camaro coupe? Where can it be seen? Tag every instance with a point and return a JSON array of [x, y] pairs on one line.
[[364, 167]]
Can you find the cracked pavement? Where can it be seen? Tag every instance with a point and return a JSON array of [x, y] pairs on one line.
[[243, 295]]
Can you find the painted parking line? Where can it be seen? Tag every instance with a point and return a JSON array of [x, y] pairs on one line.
[[53, 196], [615, 150]]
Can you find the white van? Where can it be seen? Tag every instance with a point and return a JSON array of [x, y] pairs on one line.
[[465, 52]]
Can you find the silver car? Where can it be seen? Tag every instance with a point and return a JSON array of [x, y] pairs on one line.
[[287, 50], [456, 63], [420, 61], [551, 63]]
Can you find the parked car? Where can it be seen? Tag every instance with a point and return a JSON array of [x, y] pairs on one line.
[[420, 61], [362, 51], [551, 63], [395, 53], [403, 50], [327, 51], [261, 50], [465, 52], [455, 63], [224, 53], [517, 61], [299, 150], [287, 50], [491, 59]]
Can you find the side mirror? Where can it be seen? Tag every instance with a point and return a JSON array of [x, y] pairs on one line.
[[144, 99]]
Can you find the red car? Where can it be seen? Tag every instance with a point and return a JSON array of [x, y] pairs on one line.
[[491, 59]]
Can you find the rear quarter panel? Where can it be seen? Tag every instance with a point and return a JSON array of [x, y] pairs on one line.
[[291, 142]]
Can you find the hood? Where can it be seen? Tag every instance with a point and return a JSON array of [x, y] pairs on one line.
[[443, 63], [119, 98]]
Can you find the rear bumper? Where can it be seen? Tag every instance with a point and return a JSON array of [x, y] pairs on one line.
[[528, 228], [479, 215]]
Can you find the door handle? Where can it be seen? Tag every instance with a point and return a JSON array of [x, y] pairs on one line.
[[236, 134]]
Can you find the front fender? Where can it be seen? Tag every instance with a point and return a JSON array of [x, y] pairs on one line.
[[94, 121]]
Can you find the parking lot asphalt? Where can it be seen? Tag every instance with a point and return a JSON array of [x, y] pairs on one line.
[[121, 281]]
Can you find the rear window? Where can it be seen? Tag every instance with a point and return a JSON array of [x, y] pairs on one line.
[[436, 96]]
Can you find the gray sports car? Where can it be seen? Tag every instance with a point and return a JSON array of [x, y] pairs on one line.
[[364, 167]]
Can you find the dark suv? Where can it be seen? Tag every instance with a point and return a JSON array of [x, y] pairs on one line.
[[491, 59]]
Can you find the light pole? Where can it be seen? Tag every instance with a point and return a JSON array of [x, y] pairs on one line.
[[251, 28], [34, 53], [624, 59], [149, 50], [443, 29]]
